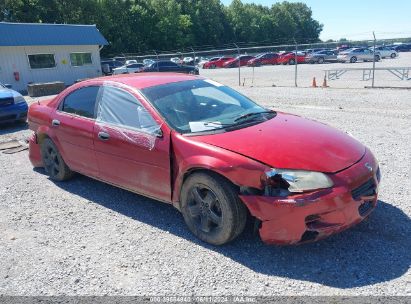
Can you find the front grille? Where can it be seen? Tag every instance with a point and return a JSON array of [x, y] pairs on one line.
[[6, 101], [366, 189]]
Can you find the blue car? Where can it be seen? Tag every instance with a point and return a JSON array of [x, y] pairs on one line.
[[13, 106]]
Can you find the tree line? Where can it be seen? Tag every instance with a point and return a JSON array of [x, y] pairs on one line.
[[138, 26]]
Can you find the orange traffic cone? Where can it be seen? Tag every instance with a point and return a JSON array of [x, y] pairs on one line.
[[314, 85], [325, 83]]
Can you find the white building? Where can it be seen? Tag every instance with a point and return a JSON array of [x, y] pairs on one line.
[[37, 52]]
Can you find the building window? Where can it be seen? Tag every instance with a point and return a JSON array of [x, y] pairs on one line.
[[79, 59], [42, 61]]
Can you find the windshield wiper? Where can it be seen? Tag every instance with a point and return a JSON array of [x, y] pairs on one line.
[[252, 114]]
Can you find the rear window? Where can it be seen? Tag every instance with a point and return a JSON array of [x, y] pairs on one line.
[[81, 102]]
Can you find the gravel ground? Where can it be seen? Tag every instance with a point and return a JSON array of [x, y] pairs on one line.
[[83, 237], [283, 75]]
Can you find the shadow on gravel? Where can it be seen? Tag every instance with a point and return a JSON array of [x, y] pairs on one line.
[[12, 127], [374, 251]]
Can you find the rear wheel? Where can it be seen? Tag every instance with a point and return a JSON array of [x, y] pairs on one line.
[[377, 58], [211, 208], [54, 164], [213, 66], [320, 60], [291, 61], [353, 59], [393, 55]]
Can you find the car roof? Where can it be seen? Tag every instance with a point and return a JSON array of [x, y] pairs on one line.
[[143, 80]]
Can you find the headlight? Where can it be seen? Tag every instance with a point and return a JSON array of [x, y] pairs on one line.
[[297, 181], [19, 99]]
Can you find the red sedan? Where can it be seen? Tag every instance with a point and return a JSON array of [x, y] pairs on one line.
[[289, 58], [216, 63], [211, 152], [239, 60], [264, 59]]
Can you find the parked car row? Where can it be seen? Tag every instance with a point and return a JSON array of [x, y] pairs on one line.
[[320, 56], [343, 53]]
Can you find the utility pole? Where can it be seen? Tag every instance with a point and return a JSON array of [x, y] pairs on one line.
[[296, 63], [158, 69], [239, 69], [194, 54], [373, 61]]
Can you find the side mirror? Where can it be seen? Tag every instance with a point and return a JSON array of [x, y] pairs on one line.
[[8, 86]]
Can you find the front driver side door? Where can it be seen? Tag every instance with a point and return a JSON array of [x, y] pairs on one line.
[[130, 151]]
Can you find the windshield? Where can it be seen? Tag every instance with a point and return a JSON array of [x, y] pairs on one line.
[[196, 106]]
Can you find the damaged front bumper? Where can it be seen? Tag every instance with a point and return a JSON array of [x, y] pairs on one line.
[[312, 216]]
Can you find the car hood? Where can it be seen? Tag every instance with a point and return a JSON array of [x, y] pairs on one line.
[[291, 142]]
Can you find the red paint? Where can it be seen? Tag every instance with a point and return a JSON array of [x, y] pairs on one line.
[[286, 57], [157, 166], [216, 63], [292, 142], [263, 61], [235, 62]]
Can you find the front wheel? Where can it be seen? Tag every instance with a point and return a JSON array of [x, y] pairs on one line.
[[320, 60], [393, 55], [291, 62], [54, 164], [377, 58], [211, 208], [353, 59]]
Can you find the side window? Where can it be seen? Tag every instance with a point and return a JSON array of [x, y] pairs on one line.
[[120, 108], [81, 102]]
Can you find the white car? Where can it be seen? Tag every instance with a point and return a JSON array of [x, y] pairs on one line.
[[147, 62], [130, 68], [175, 60], [385, 52], [188, 60]]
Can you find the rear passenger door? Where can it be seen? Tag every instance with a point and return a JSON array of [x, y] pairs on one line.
[[130, 148], [72, 127]]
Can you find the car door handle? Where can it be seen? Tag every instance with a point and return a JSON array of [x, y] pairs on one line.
[[55, 122], [103, 135]]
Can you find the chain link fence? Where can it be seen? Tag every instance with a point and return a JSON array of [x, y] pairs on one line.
[[295, 66]]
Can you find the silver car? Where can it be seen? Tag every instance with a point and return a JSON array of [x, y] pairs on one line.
[[354, 55], [385, 52], [321, 57]]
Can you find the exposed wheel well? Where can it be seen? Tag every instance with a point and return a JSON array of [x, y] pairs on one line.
[[211, 172], [207, 171]]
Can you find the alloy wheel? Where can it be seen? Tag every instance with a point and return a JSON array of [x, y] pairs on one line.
[[51, 161], [204, 208]]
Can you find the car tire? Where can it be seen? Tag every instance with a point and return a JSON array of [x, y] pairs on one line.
[[53, 163], [377, 58], [320, 60], [353, 59], [212, 209], [213, 66], [291, 61], [393, 55]]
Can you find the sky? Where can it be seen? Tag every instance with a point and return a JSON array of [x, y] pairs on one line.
[[357, 19]]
